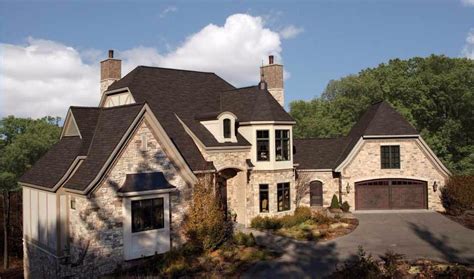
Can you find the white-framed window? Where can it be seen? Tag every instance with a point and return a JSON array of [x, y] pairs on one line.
[[227, 128], [282, 145]]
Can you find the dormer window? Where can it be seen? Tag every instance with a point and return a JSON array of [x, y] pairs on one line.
[[227, 128]]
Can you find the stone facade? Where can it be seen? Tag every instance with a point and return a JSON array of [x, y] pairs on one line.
[[330, 185], [96, 225]]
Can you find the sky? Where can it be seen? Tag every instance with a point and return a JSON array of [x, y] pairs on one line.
[[50, 50]]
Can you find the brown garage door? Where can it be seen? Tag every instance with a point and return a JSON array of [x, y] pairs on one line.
[[390, 194]]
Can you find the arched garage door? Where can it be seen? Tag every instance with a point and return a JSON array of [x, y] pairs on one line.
[[390, 194]]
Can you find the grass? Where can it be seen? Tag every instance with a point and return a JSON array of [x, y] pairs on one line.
[[306, 225], [229, 260]]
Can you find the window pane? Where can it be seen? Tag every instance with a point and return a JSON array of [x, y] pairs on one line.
[[264, 201], [158, 211], [283, 194], [263, 152], [395, 156], [226, 124], [147, 214], [282, 145]]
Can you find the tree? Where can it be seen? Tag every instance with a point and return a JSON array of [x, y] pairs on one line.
[[22, 142], [302, 183], [435, 94]]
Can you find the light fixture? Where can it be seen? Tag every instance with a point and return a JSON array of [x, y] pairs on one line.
[[435, 187], [348, 187]]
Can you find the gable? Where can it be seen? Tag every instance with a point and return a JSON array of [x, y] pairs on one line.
[[70, 128]]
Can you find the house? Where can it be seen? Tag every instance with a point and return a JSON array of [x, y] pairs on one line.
[[116, 186]]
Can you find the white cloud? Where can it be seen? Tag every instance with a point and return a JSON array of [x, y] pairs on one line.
[[467, 2], [45, 77], [168, 10], [290, 31], [468, 50]]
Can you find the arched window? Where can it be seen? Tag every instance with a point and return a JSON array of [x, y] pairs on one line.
[[227, 131], [316, 193]]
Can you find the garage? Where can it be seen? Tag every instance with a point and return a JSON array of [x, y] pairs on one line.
[[391, 194]]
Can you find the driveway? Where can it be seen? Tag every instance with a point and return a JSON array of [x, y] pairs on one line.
[[416, 234]]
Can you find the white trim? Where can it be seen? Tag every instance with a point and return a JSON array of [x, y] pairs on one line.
[[314, 170], [391, 136], [66, 122], [146, 193], [351, 155], [111, 92], [267, 123], [217, 149], [226, 112]]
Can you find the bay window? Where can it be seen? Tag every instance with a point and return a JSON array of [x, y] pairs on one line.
[[282, 145], [263, 141]]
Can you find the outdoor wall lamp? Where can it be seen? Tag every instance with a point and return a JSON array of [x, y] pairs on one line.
[[348, 187], [435, 187]]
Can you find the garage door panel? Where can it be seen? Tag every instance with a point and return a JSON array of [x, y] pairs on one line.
[[391, 194], [408, 197], [373, 197]]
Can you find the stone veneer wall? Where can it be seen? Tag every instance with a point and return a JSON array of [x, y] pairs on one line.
[[330, 185], [414, 164], [270, 177], [96, 225]]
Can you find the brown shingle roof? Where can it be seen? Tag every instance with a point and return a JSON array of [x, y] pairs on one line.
[[50, 168], [380, 119]]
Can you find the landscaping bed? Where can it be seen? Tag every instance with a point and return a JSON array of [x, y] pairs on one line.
[[229, 260], [393, 265], [306, 224]]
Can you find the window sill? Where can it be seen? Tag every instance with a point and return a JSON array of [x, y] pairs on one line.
[[150, 231]]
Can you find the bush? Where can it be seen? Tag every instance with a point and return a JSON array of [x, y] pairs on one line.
[[458, 194], [390, 263], [334, 202], [300, 215], [345, 206], [321, 219], [361, 266], [241, 238], [265, 223], [205, 224]]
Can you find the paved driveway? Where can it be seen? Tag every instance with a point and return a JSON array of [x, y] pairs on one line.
[[421, 234]]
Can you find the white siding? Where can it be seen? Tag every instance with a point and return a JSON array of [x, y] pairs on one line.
[[26, 212], [34, 214], [43, 218], [52, 215]]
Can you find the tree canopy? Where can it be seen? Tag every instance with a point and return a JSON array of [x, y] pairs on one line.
[[435, 94], [22, 142]]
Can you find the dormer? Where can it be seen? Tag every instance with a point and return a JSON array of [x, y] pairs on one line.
[[117, 97], [222, 127]]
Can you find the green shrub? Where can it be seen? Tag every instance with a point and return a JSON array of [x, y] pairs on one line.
[[334, 202], [241, 238], [265, 223], [458, 194], [300, 215], [360, 266], [391, 261], [321, 219], [345, 206]]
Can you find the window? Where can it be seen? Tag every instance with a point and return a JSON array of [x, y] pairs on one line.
[[227, 131], [390, 156], [282, 145], [263, 141], [264, 198], [73, 203], [147, 215], [283, 192]]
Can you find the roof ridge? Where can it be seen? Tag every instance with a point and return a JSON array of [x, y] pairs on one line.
[[240, 88], [173, 69], [373, 116]]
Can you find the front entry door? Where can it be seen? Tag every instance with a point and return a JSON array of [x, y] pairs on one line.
[[316, 193]]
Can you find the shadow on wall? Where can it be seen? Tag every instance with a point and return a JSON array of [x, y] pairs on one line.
[[99, 250], [441, 244]]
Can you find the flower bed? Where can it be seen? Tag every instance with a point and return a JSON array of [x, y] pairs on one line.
[[305, 224]]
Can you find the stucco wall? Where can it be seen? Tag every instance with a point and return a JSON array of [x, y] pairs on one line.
[[414, 164]]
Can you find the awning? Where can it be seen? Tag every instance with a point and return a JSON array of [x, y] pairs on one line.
[[141, 182]]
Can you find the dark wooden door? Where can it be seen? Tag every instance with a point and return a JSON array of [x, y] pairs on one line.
[[391, 194], [316, 193]]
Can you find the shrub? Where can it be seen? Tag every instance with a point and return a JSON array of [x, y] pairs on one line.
[[205, 223], [321, 219], [390, 263], [241, 238], [265, 223], [334, 202], [458, 194], [345, 206], [360, 266], [300, 215]]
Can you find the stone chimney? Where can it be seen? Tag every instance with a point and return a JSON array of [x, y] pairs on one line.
[[110, 71], [272, 74]]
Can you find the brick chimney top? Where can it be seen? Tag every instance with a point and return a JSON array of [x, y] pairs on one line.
[[110, 71], [111, 53]]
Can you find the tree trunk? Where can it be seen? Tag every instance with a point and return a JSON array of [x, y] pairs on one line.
[[6, 217]]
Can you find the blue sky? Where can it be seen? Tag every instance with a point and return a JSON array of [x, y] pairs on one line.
[[326, 40]]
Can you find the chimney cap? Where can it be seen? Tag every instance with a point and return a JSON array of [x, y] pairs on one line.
[[111, 53], [270, 59]]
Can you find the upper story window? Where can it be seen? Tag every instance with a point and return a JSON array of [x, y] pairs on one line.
[[390, 156], [263, 143], [227, 128], [282, 145], [147, 215]]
